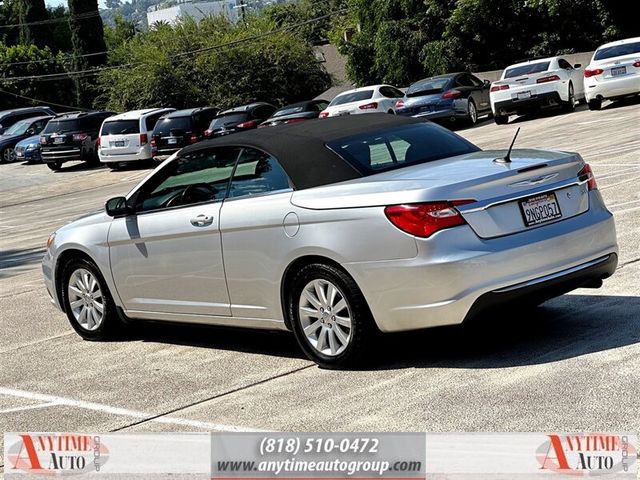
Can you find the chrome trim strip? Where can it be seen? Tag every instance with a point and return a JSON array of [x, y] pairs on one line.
[[201, 319], [552, 276], [530, 193]]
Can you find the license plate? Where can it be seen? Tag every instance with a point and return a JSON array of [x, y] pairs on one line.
[[172, 141], [540, 209], [615, 71], [58, 140], [343, 114], [524, 95], [19, 154], [118, 143]]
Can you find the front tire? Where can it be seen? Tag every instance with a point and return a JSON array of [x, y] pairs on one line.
[[55, 166], [570, 104], [8, 155], [501, 119], [472, 113], [330, 317], [88, 302]]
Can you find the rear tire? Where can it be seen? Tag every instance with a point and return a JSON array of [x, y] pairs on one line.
[[330, 317], [88, 302], [501, 119], [113, 166], [55, 166], [595, 104], [570, 104]]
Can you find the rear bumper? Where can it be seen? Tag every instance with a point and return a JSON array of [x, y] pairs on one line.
[[612, 87], [62, 154], [514, 106], [455, 268], [163, 154], [142, 155]]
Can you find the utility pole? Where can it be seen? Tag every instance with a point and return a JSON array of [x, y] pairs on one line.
[[242, 8]]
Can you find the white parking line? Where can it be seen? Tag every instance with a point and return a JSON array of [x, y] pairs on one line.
[[52, 400]]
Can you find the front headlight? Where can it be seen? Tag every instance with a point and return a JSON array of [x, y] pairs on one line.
[[50, 240]]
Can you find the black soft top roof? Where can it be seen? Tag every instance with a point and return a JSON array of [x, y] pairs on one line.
[[301, 148]]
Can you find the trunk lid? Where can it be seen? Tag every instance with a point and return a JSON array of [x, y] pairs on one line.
[[120, 137], [616, 67], [496, 188]]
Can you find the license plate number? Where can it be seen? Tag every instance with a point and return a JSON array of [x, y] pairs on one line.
[[172, 141], [19, 154], [615, 71], [58, 140], [540, 209], [524, 95]]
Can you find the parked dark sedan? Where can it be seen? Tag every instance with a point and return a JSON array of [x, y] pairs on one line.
[[454, 96], [179, 129], [17, 132], [239, 119], [297, 112]]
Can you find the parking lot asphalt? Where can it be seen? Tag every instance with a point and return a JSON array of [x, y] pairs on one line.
[[571, 365]]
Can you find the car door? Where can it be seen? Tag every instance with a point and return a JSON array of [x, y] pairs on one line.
[[254, 239], [481, 93], [575, 75], [167, 257]]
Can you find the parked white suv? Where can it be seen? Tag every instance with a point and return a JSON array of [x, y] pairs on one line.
[[530, 85], [372, 99], [614, 72], [127, 137]]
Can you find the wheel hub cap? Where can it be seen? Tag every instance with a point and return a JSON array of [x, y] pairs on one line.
[[85, 299], [325, 317]]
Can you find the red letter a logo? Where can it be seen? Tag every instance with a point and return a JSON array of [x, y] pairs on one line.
[[31, 454], [561, 458]]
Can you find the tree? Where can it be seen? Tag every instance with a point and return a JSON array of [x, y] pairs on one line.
[[33, 11], [87, 37]]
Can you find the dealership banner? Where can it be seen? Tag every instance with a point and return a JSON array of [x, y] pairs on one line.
[[321, 456]]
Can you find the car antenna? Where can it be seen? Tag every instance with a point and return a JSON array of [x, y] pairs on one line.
[[507, 157]]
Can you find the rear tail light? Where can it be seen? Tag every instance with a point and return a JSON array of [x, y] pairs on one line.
[[143, 139], [587, 174], [592, 72], [550, 78], [208, 133], [80, 136], [249, 124], [400, 104], [323, 114], [425, 219], [98, 142], [369, 106], [495, 88], [294, 120], [452, 94], [263, 125], [636, 64], [193, 138]]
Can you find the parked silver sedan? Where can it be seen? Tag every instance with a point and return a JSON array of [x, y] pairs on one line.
[[337, 230]]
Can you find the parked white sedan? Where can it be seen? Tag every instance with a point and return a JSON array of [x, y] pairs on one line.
[[614, 72], [528, 86], [372, 99]]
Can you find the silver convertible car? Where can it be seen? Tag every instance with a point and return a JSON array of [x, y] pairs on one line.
[[337, 230]]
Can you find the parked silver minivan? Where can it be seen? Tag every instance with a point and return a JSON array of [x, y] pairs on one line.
[[127, 137]]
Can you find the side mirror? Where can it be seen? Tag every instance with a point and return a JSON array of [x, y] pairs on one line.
[[31, 131], [577, 65], [117, 207], [487, 83]]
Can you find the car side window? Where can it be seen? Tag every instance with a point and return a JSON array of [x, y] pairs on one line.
[[562, 63], [476, 81], [320, 106], [151, 121], [257, 173], [464, 81], [198, 177]]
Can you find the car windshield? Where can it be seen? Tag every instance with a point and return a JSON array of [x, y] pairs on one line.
[[120, 127], [427, 87], [229, 119], [288, 111], [399, 147], [166, 125], [18, 128], [617, 51], [62, 126], [351, 97], [527, 69]]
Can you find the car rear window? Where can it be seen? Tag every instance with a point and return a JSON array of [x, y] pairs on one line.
[[229, 119], [427, 87], [120, 127], [62, 126], [527, 69], [166, 125], [617, 51], [400, 147], [351, 97], [288, 111]]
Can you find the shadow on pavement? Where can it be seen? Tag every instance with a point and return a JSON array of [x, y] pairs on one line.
[[564, 328], [14, 258]]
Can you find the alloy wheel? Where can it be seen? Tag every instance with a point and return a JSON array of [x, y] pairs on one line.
[[9, 154], [85, 299], [325, 317], [473, 113]]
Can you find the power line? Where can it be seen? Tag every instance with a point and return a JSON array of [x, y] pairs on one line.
[[81, 16], [42, 101], [89, 72]]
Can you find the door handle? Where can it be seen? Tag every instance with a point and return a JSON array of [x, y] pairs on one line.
[[202, 220]]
